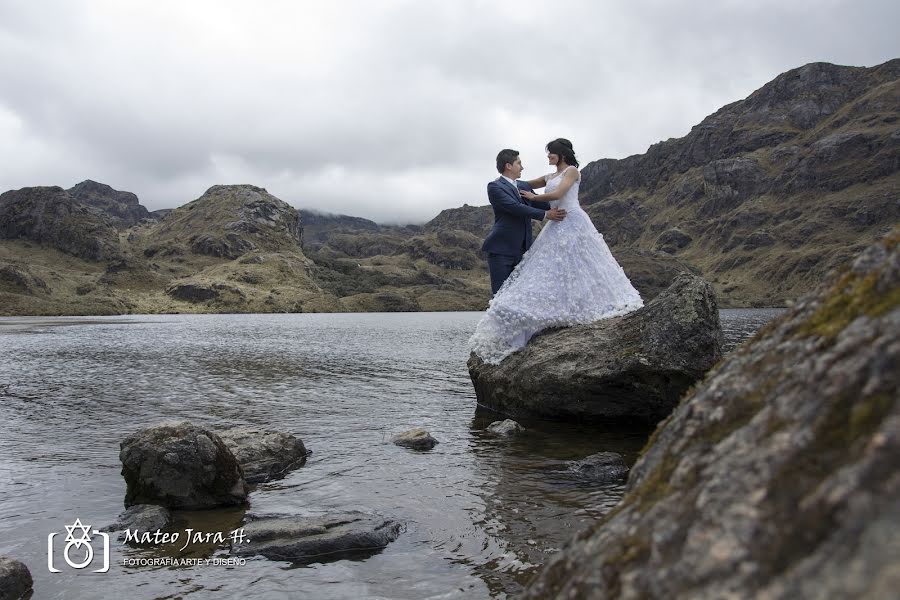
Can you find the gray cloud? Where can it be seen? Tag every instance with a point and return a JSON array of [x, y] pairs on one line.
[[391, 110]]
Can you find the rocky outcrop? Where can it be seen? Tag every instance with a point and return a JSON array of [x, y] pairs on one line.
[[672, 240], [777, 476], [51, 217], [449, 249], [19, 279], [264, 455], [181, 466], [198, 292], [15, 579], [416, 439], [121, 208], [632, 367], [317, 539]]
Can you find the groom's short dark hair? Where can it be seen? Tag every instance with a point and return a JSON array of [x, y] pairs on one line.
[[506, 156]]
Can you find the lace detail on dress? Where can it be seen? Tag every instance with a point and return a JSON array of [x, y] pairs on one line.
[[568, 277]]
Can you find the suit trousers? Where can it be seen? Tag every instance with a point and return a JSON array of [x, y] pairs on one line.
[[500, 266]]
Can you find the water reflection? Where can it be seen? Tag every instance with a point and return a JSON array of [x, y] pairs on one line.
[[481, 512]]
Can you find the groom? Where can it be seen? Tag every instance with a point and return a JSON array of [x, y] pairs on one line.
[[510, 237]]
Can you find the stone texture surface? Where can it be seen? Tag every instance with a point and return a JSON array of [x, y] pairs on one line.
[[632, 367], [264, 455], [51, 217], [505, 427], [317, 539], [121, 208], [416, 438], [15, 579], [180, 465], [777, 477], [603, 467]]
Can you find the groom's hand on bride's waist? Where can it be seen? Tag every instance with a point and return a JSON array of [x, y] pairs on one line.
[[555, 214]]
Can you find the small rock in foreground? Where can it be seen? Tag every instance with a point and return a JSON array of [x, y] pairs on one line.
[[505, 427], [603, 467], [417, 439], [317, 539], [15, 579]]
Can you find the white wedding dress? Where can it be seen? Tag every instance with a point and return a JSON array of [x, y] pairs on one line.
[[567, 277]]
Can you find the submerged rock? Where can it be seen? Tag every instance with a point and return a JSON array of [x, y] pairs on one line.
[[777, 476], [317, 539], [15, 579], [180, 465], [603, 467], [416, 438], [264, 455], [636, 366], [505, 427]]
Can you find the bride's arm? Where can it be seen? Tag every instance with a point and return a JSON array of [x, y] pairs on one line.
[[569, 179], [538, 183]]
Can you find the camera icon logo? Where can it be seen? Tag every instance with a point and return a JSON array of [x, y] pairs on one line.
[[83, 539]]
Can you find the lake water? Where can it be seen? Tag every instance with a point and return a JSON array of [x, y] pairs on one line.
[[480, 513]]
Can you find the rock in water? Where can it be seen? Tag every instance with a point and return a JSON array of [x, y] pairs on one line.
[[142, 517], [416, 438], [180, 465], [632, 367], [777, 477], [505, 427], [15, 579], [317, 539], [603, 467], [264, 455]]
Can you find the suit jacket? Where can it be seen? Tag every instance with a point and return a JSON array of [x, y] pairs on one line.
[[511, 233]]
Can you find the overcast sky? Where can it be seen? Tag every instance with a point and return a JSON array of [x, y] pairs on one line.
[[389, 110]]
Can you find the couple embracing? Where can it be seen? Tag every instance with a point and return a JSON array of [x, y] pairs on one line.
[[567, 276]]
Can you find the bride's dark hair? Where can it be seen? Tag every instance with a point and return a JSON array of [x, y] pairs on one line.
[[563, 148]]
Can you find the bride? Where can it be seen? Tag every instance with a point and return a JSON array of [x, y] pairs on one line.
[[567, 277]]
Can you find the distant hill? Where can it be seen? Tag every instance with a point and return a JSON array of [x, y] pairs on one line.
[[762, 198]]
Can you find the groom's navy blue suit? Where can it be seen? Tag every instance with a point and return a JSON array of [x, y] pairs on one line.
[[510, 237]]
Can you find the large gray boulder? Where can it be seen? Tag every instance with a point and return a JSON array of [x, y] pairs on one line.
[[632, 367], [778, 476], [264, 455], [15, 579], [181, 466], [317, 539]]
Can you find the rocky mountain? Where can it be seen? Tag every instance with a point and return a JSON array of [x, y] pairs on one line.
[[768, 194], [228, 221], [776, 477], [121, 208], [51, 217], [761, 198]]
